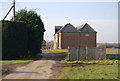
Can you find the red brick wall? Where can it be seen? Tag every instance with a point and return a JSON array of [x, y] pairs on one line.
[[77, 39], [69, 39], [89, 41]]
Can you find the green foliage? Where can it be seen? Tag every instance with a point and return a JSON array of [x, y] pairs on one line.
[[113, 57], [35, 30], [60, 50], [2, 72], [90, 72], [14, 40], [14, 61], [23, 37]]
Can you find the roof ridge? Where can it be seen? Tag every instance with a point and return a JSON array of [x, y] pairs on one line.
[[90, 28], [67, 28]]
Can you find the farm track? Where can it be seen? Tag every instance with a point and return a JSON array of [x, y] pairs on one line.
[[40, 69]]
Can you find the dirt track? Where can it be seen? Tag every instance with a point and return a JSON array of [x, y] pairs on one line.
[[40, 69]]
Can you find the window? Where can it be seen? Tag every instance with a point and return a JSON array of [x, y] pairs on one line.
[[87, 35]]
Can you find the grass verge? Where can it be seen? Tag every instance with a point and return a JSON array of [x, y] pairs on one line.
[[102, 69], [90, 72], [2, 72], [60, 50], [107, 62], [14, 61]]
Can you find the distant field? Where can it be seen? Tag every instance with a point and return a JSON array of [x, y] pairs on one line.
[[108, 50], [112, 51]]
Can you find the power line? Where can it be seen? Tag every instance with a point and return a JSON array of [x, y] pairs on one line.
[[13, 7], [8, 13]]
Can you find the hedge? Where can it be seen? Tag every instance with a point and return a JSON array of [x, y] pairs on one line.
[[14, 40]]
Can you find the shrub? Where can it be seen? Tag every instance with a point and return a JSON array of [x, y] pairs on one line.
[[14, 40]]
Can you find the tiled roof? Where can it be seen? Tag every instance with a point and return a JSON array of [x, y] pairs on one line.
[[68, 28], [86, 28]]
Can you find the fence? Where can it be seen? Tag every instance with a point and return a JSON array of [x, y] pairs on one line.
[[86, 53]]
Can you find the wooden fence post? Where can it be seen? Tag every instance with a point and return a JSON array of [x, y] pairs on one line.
[[78, 54], [86, 52], [68, 53]]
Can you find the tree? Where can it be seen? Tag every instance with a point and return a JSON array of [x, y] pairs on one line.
[[35, 29], [49, 44]]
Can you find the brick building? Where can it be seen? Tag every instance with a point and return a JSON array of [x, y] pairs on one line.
[[68, 35]]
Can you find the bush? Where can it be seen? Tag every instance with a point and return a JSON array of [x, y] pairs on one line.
[[113, 56], [14, 40], [36, 29]]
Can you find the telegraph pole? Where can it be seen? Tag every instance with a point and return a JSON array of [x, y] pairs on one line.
[[13, 10], [13, 7]]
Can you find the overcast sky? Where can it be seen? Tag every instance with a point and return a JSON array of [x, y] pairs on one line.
[[102, 16]]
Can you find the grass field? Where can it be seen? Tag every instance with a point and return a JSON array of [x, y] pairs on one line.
[[11, 62], [104, 69], [113, 54], [90, 72], [112, 51], [14, 61], [60, 50], [108, 50], [106, 62]]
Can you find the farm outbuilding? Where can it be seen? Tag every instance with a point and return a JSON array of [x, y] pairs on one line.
[[70, 36]]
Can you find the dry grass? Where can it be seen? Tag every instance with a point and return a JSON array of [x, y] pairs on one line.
[[112, 51]]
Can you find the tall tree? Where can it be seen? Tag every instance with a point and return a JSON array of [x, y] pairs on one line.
[[35, 29]]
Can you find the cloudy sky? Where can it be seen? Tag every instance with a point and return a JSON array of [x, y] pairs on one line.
[[102, 16]]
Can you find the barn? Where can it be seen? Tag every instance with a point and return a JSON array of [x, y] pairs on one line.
[[70, 36]]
